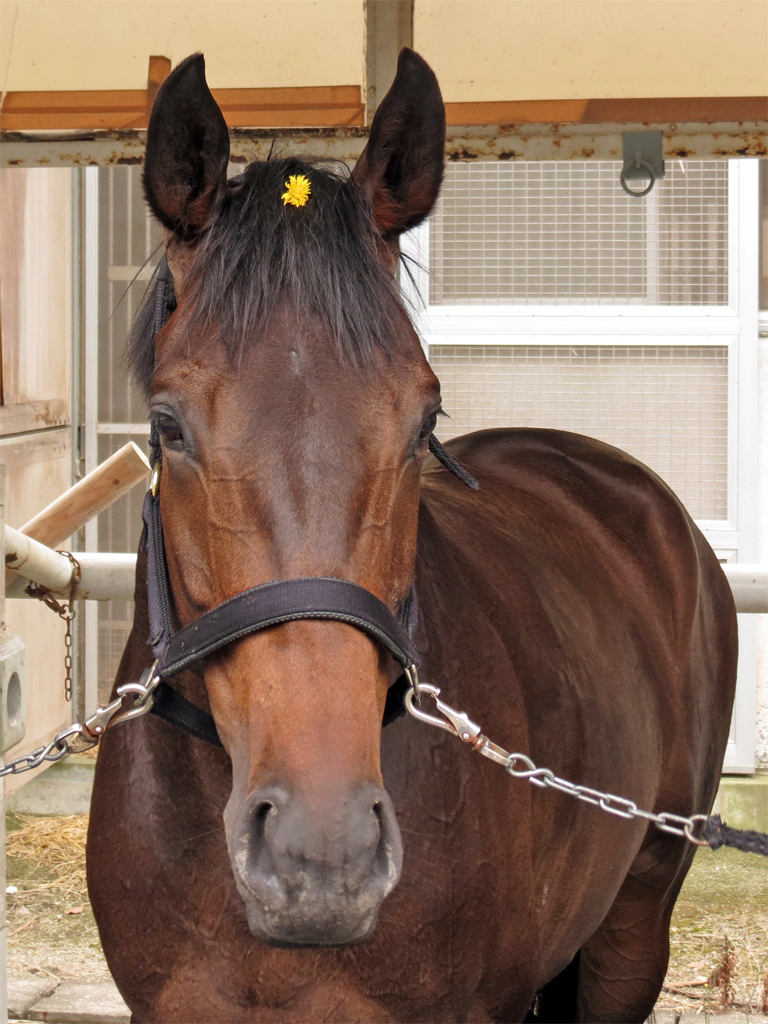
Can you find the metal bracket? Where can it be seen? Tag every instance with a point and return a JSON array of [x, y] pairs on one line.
[[642, 160]]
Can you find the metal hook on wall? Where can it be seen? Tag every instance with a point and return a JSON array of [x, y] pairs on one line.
[[642, 160]]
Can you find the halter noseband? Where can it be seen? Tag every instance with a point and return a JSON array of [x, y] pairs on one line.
[[262, 607]]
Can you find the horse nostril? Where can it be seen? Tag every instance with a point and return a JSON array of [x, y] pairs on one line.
[[262, 812], [389, 852]]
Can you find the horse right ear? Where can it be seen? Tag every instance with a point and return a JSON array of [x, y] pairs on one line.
[[187, 150], [401, 168]]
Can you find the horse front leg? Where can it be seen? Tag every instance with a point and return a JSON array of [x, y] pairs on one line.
[[623, 965]]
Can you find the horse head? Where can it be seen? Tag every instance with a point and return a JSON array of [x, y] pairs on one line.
[[294, 405]]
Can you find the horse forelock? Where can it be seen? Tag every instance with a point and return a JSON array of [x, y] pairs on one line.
[[322, 260]]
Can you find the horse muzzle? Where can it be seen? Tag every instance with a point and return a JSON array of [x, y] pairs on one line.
[[312, 878]]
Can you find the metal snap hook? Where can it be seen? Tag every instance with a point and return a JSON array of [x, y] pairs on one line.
[[142, 693], [422, 716], [454, 722]]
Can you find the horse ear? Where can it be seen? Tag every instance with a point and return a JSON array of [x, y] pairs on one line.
[[402, 165], [187, 150]]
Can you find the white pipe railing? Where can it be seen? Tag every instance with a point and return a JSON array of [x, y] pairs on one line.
[[111, 577], [103, 577], [749, 583]]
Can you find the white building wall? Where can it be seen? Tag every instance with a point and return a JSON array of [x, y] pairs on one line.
[[761, 752]]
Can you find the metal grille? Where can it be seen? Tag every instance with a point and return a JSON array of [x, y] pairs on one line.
[[127, 237], [565, 233], [666, 405]]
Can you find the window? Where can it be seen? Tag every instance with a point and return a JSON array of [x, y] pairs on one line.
[[120, 237], [566, 234], [666, 405]]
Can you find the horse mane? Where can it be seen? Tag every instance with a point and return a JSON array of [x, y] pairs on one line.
[[256, 254]]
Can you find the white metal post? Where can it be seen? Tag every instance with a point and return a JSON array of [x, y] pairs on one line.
[[3, 922], [744, 186], [91, 398]]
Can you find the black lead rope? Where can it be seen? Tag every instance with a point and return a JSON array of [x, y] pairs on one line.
[[262, 607], [716, 834], [451, 464]]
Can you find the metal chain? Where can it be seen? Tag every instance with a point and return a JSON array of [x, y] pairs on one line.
[[135, 699], [459, 724], [132, 701], [64, 611]]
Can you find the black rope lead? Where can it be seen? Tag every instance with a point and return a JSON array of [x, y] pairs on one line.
[[451, 464], [164, 280], [716, 834]]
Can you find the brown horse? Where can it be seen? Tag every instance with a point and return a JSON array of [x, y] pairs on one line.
[[570, 605]]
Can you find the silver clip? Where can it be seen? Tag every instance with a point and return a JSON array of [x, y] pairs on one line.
[[97, 724], [453, 721], [142, 693]]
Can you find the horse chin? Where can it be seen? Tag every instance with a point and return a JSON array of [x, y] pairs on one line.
[[299, 931]]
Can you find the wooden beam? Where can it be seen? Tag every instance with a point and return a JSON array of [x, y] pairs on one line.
[[25, 417], [96, 491], [120, 109], [675, 110], [159, 69], [341, 106]]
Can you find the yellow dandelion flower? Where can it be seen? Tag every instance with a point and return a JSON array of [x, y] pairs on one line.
[[298, 190]]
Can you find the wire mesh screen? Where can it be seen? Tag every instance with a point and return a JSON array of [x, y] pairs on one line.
[[565, 233], [666, 405], [127, 237]]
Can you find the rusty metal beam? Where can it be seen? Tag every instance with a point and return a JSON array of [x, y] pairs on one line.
[[718, 141], [388, 28]]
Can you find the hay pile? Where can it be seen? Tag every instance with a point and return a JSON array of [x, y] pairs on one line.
[[56, 846], [51, 928]]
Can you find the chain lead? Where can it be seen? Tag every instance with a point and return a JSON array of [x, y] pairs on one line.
[[132, 701], [65, 612], [520, 766]]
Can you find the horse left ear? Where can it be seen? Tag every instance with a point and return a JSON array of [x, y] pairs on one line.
[[401, 168], [187, 150]]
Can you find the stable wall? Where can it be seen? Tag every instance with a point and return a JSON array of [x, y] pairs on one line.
[[35, 410]]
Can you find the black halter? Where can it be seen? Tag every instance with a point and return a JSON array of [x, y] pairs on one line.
[[262, 607]]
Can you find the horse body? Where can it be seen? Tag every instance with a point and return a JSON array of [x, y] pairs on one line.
[[570, 606], [584, 623]]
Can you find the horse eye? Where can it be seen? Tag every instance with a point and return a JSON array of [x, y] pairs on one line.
[[428, 426], [169, 429]]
